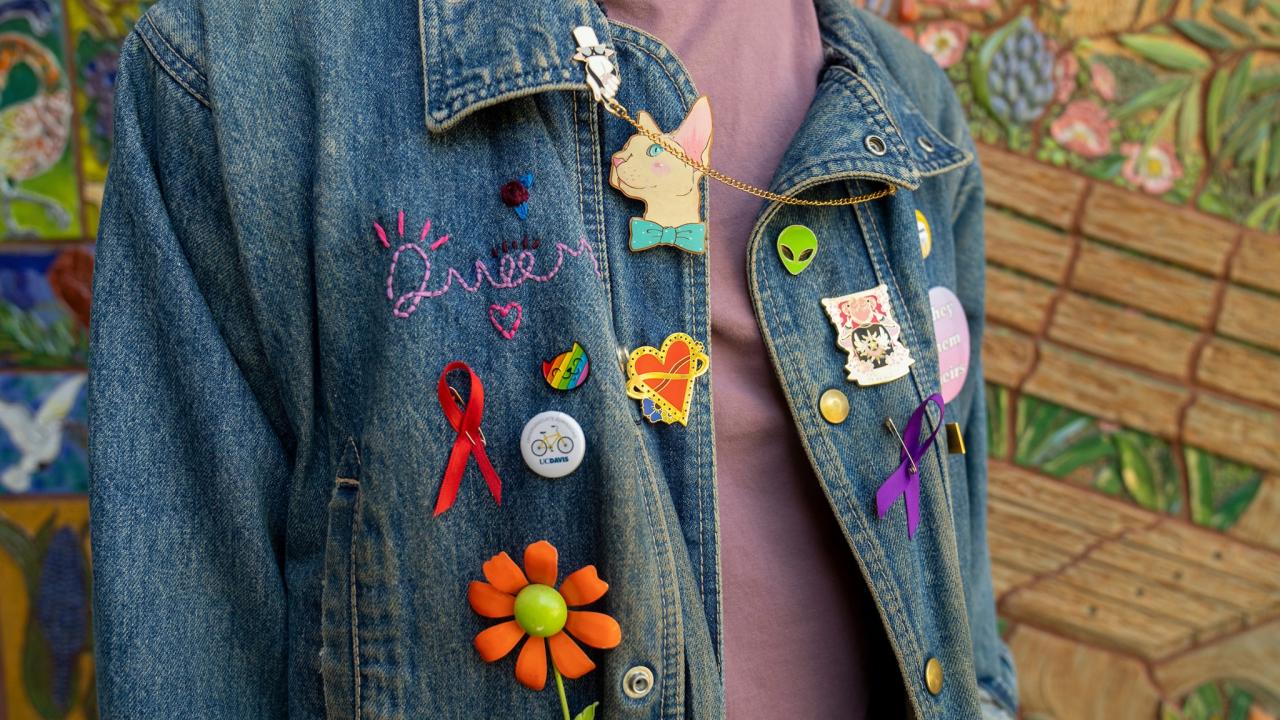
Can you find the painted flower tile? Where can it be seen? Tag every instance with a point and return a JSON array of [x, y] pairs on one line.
[[97, 28], [43, 433], [1173, 98], [38, 181], [44, 307]]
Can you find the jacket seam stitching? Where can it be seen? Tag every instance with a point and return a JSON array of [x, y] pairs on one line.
[[962, 195], [355, 611], [680, 88], [876, 565], [908, 323], [181, 58], [170, 71]]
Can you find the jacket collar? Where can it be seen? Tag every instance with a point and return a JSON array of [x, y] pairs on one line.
[[858, 91], [477, 53]]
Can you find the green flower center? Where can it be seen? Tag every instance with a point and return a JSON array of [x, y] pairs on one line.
[[541, 611]]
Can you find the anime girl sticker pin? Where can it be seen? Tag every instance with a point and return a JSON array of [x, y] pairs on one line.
[[670, 190], [865, 329], [662, 378]]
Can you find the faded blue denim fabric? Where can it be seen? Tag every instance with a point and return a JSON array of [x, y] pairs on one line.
[[266, 442]]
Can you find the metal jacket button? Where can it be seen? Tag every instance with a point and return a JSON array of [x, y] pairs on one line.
[[876, 145], [933, 675], [834, 406], [637, 682]]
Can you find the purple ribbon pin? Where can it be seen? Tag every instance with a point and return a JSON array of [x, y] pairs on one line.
[[905, 481]]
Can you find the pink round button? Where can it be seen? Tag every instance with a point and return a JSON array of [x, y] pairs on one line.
[[951, 331]]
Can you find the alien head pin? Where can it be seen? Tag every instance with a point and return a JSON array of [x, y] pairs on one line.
[[797, 246]]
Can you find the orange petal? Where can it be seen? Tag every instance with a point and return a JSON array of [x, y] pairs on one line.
[[595, 629], [568, 657], [531, 666], [489, 601], [494, 643], [583, 587], [503, 573], [540, 562]]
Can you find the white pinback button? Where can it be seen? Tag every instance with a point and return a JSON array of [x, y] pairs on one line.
[[552, 444]]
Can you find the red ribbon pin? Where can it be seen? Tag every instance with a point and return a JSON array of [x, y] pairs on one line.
[[470, 440]]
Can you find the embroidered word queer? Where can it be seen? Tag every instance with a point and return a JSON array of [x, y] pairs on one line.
[[513, 268]]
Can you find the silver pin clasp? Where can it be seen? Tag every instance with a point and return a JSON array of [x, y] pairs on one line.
[[602, 73], [888, 423]]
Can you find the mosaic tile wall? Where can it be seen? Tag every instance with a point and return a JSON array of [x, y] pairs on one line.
[[57, 69], [1132, 157], [1132, 150]]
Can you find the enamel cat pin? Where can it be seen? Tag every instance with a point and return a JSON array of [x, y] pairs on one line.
[[670, 190], [865, 329]]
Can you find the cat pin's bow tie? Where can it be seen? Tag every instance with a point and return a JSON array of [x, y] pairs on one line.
[[691, 237]]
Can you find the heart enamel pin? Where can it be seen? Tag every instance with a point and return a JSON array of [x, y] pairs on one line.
[[664, 376]]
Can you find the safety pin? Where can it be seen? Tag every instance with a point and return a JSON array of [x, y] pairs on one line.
[[457, 397], [888, 423]]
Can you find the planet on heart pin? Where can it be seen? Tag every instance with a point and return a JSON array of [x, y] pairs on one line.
[[664, 377]]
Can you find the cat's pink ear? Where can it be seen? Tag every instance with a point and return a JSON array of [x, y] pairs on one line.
[[647, 122], [694, 134]]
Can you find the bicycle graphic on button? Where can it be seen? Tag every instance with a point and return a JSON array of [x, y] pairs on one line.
[[543, 445]]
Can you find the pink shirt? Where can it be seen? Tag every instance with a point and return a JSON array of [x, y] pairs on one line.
[[801, 636]]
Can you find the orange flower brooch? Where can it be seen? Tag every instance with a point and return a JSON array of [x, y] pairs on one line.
[[540, 611]]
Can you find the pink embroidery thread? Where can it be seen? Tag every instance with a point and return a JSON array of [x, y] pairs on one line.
[[495, 310], [513, 270], [382, 234]]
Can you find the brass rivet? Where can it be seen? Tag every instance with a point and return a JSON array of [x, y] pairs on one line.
[[955, 439], [933, 675], [834, 406]]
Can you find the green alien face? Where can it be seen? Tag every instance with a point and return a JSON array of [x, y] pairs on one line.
[[797, 245]]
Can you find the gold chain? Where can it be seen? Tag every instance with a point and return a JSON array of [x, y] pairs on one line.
[[616, 109]]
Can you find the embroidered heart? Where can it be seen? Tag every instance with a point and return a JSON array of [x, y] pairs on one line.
[[665, 376], [499, 314]]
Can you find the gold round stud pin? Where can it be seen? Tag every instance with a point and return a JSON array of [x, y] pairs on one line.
[[834, 406]]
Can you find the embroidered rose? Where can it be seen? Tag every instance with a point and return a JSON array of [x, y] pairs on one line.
[[1083, 128], [1155, 170], [514, 193], [945, 41]]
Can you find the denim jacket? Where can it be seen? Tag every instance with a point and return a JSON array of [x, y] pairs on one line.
[[267, 443]]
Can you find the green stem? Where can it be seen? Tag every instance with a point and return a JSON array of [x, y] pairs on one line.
[[564, 702]]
